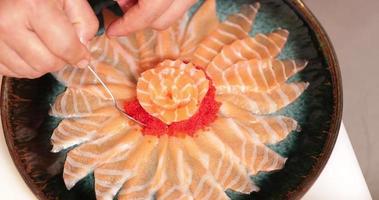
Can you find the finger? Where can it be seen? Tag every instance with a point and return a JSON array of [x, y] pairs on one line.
[[15, 63], [138, 17], [80, 14], [35, 53], [174, 12], [126, 4], [4, 71], [58, 34]]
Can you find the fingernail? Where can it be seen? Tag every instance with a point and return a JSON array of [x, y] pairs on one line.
[[83, 63], [82, 40]]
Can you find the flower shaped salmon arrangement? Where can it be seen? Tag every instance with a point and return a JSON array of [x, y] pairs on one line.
[[202, 89]]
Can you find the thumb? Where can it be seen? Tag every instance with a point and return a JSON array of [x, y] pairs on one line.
[[83, 19], [126, 4], [138, 17]]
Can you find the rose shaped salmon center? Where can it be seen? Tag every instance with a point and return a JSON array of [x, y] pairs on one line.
[[172, 93]]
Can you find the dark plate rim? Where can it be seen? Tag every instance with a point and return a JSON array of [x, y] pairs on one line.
[[328, 52]]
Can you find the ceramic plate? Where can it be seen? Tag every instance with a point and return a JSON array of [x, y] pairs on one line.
[[28, 127]]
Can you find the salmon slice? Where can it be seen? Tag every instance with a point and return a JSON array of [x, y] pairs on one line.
[[266, 129], [227, 169], [270, 130], [201, 82], [100, 49], [178, 174], [230, 110], [78, 102], [167, 46], [180, 29], [146, 41], [72, 132], [266, 102], [76, 131], [120, 92], [172, 93], [111, 177], [120, 53], [256, 75], [125, 58], [254, 155], [259, 47], [76, 77], [236, 26], [152, 174], [202, 184], [203, 22], [83, 159]]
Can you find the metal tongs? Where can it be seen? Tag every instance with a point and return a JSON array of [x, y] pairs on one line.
[[115, 104]]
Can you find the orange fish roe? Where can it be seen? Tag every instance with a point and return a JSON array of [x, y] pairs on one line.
[[206, 114]]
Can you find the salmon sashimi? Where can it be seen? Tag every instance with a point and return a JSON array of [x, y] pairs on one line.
[[209, 92], [177, 174], [152, 176], [224, 165], [256, 157], [202, 23], [236, 26], [76, 131], [169, 168], [259, 47], [76, 102], [269, 102], [71, 133], [82, 160], [167, 47], [124, 168], [203, 184], [256, 75], [76, 77], [196, 179], [266, 129], [146, 41], [179, 29], [120, 53], [172, 94]]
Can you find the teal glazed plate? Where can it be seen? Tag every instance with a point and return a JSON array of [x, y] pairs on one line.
[[28, 127]]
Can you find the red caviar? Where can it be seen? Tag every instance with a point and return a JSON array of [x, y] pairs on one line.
[[206, 114]]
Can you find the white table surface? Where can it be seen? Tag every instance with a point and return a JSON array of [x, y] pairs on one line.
[[341, 179]]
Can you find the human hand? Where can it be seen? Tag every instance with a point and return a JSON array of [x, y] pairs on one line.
[[157, 14], [40, 36]]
